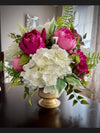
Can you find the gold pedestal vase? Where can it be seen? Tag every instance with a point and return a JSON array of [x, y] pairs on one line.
[[48, 100]]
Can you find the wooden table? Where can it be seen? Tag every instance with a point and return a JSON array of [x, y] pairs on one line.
[[16, 112]]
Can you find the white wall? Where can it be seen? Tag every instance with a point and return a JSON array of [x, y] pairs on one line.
[[10, 14]]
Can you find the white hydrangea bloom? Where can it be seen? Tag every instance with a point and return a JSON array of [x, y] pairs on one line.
[[9, 53], [46, 66]]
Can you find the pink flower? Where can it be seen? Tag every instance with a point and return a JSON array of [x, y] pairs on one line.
[[31, 41], [77, 35], [82, 66], [66, 39], [15, 64]]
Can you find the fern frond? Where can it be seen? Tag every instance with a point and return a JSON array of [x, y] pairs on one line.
[[67, 19], [92, 59]]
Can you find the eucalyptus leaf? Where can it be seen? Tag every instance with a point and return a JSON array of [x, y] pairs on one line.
[[60, 86]]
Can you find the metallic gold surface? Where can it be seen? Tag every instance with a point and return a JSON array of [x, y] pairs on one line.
[[48, 100]]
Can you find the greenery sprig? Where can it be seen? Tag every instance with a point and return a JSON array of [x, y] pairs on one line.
[[67, 19], [92, 59]]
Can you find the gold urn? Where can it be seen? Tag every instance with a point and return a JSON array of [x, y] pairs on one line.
[[48, 100]]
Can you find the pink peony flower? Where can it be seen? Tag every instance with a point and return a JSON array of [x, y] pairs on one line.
[[82, 66], [66, 39], [15, 64], [31, 41]]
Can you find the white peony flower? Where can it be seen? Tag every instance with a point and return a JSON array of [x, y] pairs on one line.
[[46, 66], [9, 53]]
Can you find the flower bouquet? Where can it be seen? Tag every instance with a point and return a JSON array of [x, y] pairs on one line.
[[50, 57]]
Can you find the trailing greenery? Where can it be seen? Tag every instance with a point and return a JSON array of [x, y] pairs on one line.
[[16, 79], [29, 94], [18, 37], [73, 94], [67, 19], [73, 81]]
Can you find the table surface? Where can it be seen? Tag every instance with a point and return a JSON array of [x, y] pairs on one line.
[[15, 111]]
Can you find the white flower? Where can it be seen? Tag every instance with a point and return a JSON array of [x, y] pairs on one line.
[[9, 53], [46, 26], [46, 66]]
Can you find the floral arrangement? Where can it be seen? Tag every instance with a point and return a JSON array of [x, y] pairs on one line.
[[50, 57]]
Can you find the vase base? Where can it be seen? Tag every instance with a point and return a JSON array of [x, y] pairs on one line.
[[49, 103]]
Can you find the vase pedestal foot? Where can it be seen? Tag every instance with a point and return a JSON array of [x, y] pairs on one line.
[[49, 103]]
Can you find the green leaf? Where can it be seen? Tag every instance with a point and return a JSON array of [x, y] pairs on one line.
[[52, 28], [77, 91], [74, 102], [80, 97], [84, 36], [25, 94], [27, 90], [17, 38], [73, 75], [71, 96], [84, 102], [72, 28], [66, 89], [75, 58], [35, 89], [69, 91], [60, 86], [24, 59], [73, 81], [31, 94]]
